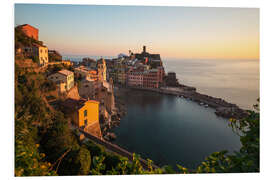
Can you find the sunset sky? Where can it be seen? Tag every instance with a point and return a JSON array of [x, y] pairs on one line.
[[174, 32]]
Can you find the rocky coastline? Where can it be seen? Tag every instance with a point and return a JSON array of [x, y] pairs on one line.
[[115, 117]]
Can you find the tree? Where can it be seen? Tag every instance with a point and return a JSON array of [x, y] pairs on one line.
[[84, 161], [28, 160]]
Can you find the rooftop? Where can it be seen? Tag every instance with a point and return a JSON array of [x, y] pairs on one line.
[[65, 72], [74, 104], [27, 25]]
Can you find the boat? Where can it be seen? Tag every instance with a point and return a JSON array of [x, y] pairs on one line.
[[206, 105]]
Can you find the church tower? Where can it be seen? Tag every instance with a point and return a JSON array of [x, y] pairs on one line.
[[102, 70]]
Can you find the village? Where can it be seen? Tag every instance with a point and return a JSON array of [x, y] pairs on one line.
[[87, 87]]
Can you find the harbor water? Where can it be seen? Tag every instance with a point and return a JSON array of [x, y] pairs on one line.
[[171, 130]]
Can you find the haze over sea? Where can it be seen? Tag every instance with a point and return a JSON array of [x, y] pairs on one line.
[[236, 81]]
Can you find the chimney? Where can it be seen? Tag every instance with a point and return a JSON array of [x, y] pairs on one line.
[[144, 49]]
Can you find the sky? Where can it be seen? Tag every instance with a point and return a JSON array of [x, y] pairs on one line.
[[173, 32]]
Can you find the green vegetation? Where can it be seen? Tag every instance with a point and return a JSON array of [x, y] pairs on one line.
[[58, 67]]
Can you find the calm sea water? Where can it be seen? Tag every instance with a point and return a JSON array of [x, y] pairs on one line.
[[236, 81], [172, 130]]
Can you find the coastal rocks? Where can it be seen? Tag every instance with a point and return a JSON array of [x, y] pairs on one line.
[[113, 118], [231, 112]]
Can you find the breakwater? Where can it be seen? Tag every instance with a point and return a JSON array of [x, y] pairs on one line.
[[223, 108]]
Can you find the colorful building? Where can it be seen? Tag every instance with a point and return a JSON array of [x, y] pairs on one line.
[[84, 72], [140, 77], [39, 51], [122, 77], [84, 114], [29, 31], [135, 78], [64, 79]]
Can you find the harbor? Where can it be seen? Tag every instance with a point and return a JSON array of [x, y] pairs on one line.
[[223, 108]]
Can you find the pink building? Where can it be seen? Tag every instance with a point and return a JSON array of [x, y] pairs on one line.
[[152, 78], [135, 79]]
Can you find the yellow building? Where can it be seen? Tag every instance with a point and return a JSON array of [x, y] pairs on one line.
[[43, 55], [84, 114], [39, 51]]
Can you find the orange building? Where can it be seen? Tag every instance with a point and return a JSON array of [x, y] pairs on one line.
[[30, 31], [84, 114]]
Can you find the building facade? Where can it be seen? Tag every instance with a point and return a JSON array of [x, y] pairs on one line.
[[140, 77], [84, 72], [64, 79], [30, 31], [37, 51], [135, 78], [84, 114], [89, 89]]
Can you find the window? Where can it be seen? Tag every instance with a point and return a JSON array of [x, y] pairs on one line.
[[85, 113], [85, 122]]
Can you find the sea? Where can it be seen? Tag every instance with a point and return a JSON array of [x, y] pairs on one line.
[[171, 130], [236, 81]]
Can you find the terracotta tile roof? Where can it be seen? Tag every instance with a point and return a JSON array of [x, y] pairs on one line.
[[24, 25]]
